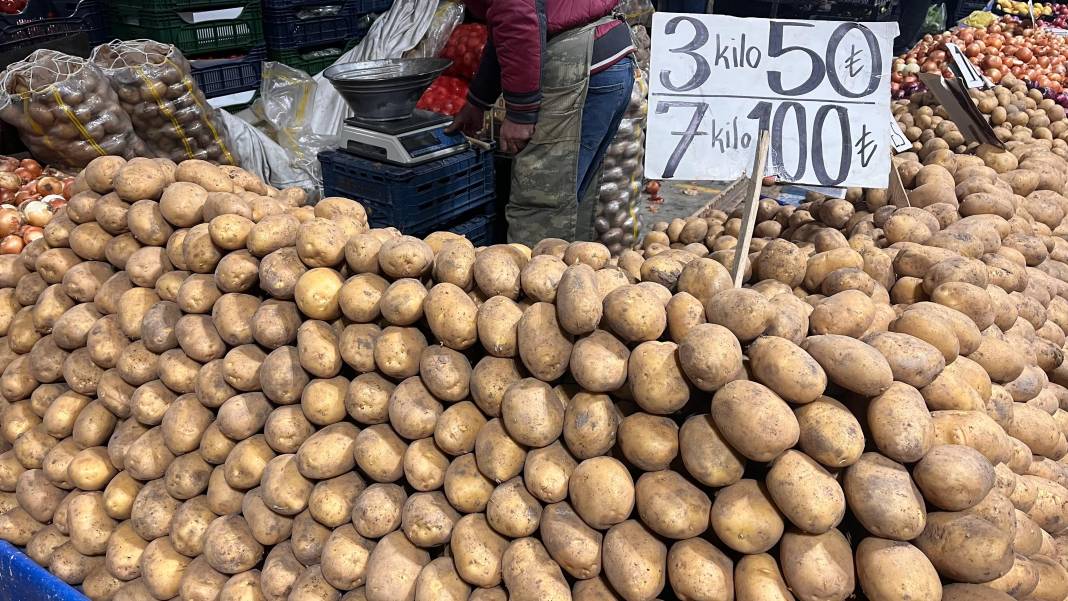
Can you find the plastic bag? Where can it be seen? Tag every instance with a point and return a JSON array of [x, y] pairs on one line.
[[285, 104], [168, 110], [935, 21], [65, 111], [263, 157], [447, 17]]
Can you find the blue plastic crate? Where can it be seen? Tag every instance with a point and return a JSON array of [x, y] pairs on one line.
[[478, 229], [219, 77], [412, 199], [317, 22], [43, 21], [23, 580]]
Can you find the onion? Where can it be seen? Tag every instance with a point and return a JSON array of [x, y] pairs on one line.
[[37, 213], [32, 233], [10, 220], [9, 181], [11, 245], [49, 185]]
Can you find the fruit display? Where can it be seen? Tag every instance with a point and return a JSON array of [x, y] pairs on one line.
[[211, 390], [1024, 9], [29, 197]]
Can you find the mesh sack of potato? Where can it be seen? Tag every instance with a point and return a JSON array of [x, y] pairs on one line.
[[616, 220], [65, 111], [155, 86]]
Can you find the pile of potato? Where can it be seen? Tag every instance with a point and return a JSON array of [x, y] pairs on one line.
[[214, 392], [1014, 111]]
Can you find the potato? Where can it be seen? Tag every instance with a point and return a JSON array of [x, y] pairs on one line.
[[884, 498], [497, 324], [850, 363], [757, 577], [900, 423], [706, 454], [345, 556], [281, 376], [829, 433], [698, 570], [834, 577], [329, 452], [162, 568], [540, 278], [397, 351], [805, 493], [754, 420], [710, 356], [544, 347], [602, 492], [331, 501], [954, 477], [317, 293], [478, 551], [912, 360], [70, 566], [236, 272], [648, 442], [379, 453], [896, 570], [310, 585], [499, 456], [280, 271], [578, 302], [424, 465], [655, 377], [986, 556], [634, 561], [280, 571], [393, 568], [670, 506], [189, 526], [974, 429], [529, 573], [229, 546], [634, 314], [200, 582], [377, 510], [453, 263]]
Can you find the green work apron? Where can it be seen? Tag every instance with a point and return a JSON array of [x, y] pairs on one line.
[[543, 202]]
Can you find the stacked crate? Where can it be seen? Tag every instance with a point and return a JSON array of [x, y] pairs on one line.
[[47, 20], [311, 34], [222, 39]]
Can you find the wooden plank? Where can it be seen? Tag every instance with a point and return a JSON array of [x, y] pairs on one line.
[[752, 202]]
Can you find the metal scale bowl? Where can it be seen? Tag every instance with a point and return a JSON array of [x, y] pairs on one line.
[[387, 127]]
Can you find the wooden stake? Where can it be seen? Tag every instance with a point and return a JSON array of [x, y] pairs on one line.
[[752, 201]]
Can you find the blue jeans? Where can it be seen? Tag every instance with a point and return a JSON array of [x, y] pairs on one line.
[[606, 103]]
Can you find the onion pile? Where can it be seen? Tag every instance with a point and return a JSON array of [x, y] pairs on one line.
[[1005, 47], [29, 196]]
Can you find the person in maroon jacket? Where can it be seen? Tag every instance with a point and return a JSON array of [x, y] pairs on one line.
[[566, 74]]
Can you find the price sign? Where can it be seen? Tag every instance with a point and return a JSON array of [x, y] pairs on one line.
[[966, 70], [898, 141], [821, 88]]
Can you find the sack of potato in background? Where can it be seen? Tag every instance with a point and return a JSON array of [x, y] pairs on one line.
[[155, 86], [616, 219], [65, 110]]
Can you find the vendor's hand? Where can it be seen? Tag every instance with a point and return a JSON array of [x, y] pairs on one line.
[[468, 121], [515, 136]]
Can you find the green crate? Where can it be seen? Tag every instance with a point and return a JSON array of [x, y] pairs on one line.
[[130, 21], [308, 59]]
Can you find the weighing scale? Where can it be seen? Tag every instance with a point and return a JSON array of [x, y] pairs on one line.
[[387, 127]]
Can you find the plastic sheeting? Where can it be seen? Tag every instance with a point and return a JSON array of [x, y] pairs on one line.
[[395, 32]]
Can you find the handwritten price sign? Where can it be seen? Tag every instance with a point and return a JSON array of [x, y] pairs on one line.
[[821, 88]]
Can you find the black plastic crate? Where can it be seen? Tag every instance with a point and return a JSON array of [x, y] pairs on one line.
[[43, 21], [413, 199], [244, 30], [292, 25], [221, 76]]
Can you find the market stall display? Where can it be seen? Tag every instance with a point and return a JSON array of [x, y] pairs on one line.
[[29, 197], [256, 395]]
